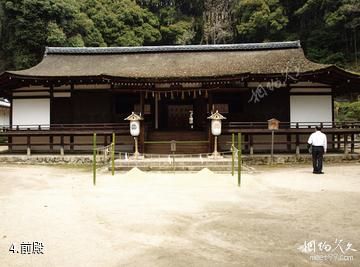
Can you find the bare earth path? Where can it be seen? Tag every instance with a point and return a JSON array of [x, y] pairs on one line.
[[202, 219]]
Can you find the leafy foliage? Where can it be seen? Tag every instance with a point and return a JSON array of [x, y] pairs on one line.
[[348, 111], [328, 29], [260, 19]]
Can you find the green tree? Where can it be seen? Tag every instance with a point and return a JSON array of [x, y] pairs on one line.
[[259, 20], [33, 24], [347, 111], [334, 25], [347, 16], [328, 29], [56, 35], [123, 22]]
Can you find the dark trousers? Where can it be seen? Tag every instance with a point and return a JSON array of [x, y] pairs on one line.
[[317, 157]]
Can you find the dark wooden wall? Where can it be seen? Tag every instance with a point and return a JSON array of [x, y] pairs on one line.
[[107, 107], [275, 105]]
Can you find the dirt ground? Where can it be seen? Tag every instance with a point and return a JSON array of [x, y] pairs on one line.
[[203, 219]]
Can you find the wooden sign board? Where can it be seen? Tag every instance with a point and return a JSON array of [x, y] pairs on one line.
[[273, 124]]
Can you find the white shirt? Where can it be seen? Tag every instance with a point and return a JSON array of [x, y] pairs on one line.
[[318, 139]]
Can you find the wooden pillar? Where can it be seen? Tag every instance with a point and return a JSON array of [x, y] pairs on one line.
[[297, 144], [288, 140], [297, 141], [51, 139], [62, 149], [113, 104], [142, 123], [246, 143], [211, 102], [210, 139], [210, 136], [142, 137], [72, 89], [10, 139], [156, 111], [251, 140], [52, 115], [28, 145], [142, 103], [71, 143], [11, 112], [352, 143], [338, 141], [345, 143], [51, 103]]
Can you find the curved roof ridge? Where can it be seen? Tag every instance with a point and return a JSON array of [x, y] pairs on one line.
[[173, 48]]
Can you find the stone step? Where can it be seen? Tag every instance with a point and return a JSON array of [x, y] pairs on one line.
[[180, 148], [180, 136], [177, 164]]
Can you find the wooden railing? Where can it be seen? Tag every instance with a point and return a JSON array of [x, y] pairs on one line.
[[67, 127], [65, 135], [288, 125], [341, 135]]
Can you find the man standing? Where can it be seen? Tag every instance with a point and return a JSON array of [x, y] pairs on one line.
[[318, 142]]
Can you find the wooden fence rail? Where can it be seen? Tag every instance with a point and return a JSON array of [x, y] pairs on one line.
[[342, 136]]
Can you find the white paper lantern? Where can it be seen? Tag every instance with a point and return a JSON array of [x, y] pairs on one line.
[[216, 127], [135, 128], [216, 119], [134, 124]]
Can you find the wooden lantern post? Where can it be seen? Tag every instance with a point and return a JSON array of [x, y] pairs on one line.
[[273, 124], [216, 119], [135, 130]]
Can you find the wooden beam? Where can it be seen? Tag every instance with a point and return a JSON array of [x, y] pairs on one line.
[[51, 104], [142, 102], [72, 103]]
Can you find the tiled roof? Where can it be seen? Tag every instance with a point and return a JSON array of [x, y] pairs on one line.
[[173, 62], [177, 48]]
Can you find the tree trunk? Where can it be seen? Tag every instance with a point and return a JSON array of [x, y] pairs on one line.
[[355, 48]]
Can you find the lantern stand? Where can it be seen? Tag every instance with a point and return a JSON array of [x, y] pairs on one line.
[[135, 131], [216, 119]]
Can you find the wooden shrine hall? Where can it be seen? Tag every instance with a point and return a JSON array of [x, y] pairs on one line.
[[74, 92]]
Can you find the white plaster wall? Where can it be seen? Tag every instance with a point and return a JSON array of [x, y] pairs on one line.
[[31, 112], [310, 108], [4, 116]]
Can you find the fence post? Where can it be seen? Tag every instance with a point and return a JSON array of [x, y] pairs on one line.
[[272, 146], [10, 146], [251, 144], [51, 139], [297, 145], [297, 149], [94, 159], [28, 149], [72, 139], [113, 155], [62, 145], [352, 143], [239, 159], [233, 154], [346, 144], [288, 141]]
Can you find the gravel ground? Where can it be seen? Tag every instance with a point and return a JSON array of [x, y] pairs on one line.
[[201, 219]]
